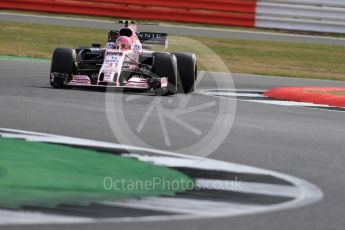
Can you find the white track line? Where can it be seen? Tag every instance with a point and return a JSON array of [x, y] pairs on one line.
[[250, 187], [22, 217], [185, 205], [231, 94], [302, 192]]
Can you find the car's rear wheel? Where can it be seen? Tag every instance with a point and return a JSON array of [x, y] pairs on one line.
[[165, 65], [187, 69], [62, 67]]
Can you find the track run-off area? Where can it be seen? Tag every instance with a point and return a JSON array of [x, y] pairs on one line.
[[250, 162], [292, 142]]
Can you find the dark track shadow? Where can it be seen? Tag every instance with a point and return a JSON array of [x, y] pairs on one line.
[[99, 89]]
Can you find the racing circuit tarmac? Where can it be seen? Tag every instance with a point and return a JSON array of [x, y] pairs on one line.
[[302, 142]]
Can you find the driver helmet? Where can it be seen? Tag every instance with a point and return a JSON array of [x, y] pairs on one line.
[[123, 43]]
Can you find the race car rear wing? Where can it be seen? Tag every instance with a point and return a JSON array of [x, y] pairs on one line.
[[151, 38], [146, 38]]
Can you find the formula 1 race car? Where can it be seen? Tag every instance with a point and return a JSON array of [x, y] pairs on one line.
[[124, 63]]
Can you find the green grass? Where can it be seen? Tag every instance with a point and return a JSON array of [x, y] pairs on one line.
[[340, 93], [39, 174], [34, 40], [281, 59], [240, 56], [334, 92], [105, 18]]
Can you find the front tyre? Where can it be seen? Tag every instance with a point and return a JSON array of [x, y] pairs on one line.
[[165, 65], [187, 69], [62, 67]]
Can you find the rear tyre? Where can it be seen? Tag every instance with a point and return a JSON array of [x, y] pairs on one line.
[[165, 65], [187, 69], [62, 67]]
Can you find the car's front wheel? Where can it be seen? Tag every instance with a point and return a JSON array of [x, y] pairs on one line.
[[165, 65], [62, 67], [187, 72]]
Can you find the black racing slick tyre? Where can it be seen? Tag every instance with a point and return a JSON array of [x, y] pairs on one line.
[[165, 65], [188, 70], [62, 67]]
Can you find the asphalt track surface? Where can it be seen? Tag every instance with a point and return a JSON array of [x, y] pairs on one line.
[[302, 142], [175, 29]]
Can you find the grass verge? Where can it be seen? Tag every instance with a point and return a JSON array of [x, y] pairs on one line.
[[242, 56], [340, 93], [238, 28], [335, 92], [45, 175]]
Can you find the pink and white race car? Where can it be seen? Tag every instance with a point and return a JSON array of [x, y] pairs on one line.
[[123, 63]]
